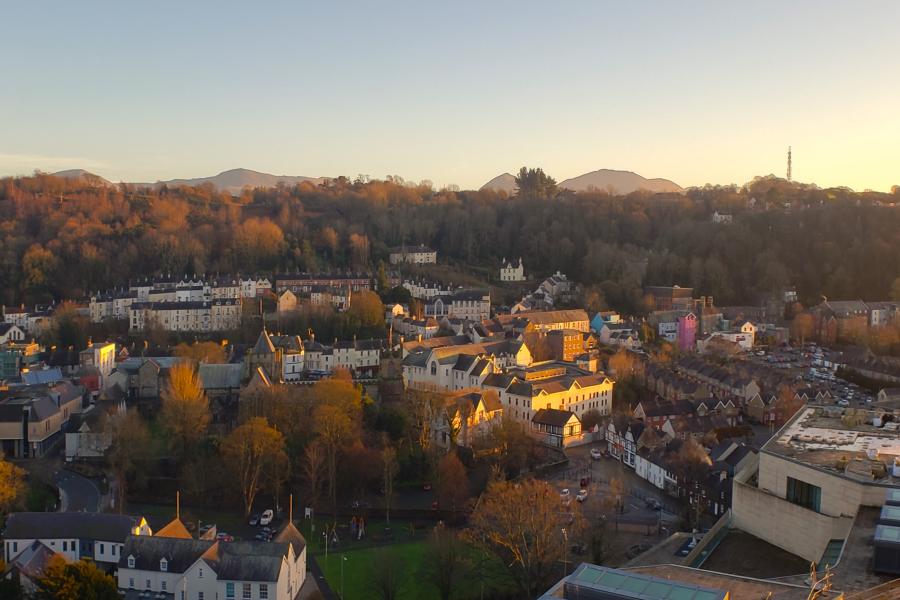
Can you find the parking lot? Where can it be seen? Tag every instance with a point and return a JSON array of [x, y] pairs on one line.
[[806, 365]]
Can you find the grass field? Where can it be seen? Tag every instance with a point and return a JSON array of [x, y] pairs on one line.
[[358, 567]]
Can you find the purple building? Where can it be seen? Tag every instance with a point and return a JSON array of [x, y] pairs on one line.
[[687, 332]]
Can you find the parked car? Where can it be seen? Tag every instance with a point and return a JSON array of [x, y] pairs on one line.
[[654, 504], [582, 495], [254, 519], [564, 493], [596, 453], [266, 517], [224, 537]]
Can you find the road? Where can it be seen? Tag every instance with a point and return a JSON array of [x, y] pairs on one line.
[[601, 472], [77, 493]]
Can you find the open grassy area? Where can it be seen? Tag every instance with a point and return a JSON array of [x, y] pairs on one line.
[[358, 574]]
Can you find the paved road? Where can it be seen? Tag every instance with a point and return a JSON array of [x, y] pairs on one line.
[[602, 472], [77, 493]]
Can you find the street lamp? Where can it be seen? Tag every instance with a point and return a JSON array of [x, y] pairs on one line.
[[325, 535], [565, 552], [343, 558]]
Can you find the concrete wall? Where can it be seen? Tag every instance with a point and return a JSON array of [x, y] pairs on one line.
[[840, 495], [798, 530]]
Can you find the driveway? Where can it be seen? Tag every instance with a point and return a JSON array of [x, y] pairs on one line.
[[77, 493]]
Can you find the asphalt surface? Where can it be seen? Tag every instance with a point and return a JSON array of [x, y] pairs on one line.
[[601, 473], [77, 493]]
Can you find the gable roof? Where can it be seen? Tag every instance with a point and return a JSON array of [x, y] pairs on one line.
[[553, 417], [215, 376], [32, 561], [264, 344]]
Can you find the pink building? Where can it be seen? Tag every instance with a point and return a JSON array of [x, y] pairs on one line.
[[687, 332]]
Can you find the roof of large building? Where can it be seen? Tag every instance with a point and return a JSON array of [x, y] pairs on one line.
[[856, 443], [82, 525], [32, 561], [215, 376], [234, 561], [593, 581]]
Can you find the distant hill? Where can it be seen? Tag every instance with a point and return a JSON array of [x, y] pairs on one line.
[[235, 180], [622, 182], [87, 176], [502, 183]]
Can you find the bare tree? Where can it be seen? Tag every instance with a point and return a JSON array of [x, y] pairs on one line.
[[313, 470], [390, 467]]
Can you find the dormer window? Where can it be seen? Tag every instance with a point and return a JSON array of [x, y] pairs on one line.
[[130, 562], [163, 564]]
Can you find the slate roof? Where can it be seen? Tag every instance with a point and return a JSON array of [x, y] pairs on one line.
[[214, 376], [32, 561], [291, 535], [231, 561], [83, 525], [264, 344], [552, 417]]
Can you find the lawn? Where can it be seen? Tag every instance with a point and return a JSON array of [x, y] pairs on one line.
[[358, 574]]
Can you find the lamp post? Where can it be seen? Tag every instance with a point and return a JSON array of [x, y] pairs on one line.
[[325, 535], [343, 558], [565, 552]]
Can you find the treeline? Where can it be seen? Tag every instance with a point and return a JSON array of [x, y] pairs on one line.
[[65, 238]]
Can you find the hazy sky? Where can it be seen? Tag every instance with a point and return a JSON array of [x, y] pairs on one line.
[[456, 92]]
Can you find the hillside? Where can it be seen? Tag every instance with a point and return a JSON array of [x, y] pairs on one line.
[[235, 180], [622, 182], [502, 183], [87, 176]]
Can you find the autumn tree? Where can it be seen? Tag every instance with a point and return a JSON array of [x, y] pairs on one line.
[[252, 450], [523, 526], [130, 439], [313, 470], [185, 409], [62, 580], [623, 364], [336, 419], [389, 469], [514, 446], [12, 485], [201, 352], [445, 562], [367, 307], [452, 482], [421, 408]]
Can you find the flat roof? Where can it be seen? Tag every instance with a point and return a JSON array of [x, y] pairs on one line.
[[843, 441], [893, 497], [629, 585]]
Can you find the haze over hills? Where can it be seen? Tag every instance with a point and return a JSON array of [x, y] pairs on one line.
[[235, 180], [502, 183], [621, 182], [82, 174]]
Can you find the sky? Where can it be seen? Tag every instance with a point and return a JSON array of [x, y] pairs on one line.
[[455, 92]]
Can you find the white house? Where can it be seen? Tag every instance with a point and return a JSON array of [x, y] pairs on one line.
[[99, 537], [207, 569], [11, 333], [415, 255], [510, 271]]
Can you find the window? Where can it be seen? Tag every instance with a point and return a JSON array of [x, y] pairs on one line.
[[163, 564], [130, 562], [162, 585], [131, 582], [65, 544], [148, 584], [263, 591], [229, 590], [102, 548], [246, 594], [199, 595], [200, 575], [804, 494]]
